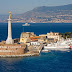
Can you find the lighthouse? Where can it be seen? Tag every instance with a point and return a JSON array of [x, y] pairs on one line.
[[9, 38]]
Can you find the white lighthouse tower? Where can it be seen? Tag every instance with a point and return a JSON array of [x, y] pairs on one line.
[[9, 39]]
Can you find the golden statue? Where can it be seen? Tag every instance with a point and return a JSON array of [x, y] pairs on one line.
[[9, 15]]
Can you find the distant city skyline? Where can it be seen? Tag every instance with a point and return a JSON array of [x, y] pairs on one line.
[[21, 6]]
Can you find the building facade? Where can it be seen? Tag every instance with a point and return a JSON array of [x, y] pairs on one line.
[[52, 35], [25, 36], [35, 43]]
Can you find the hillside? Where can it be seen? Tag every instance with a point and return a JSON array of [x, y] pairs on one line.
[[46, 14]]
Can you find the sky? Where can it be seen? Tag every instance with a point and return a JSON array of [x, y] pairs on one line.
[[21, 6]]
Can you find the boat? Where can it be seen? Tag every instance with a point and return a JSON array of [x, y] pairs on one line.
[[26, 24], [45, 50], [58, 45]]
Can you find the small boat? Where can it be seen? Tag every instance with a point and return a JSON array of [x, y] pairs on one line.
[[26, 24], [45, 50]]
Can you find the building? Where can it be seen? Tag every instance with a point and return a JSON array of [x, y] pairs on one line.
[[50, 40], [32, 39], [25, 36], [35, 43], [52, 36], [55, 36], [39, 39], [35, 38], [43, 39]]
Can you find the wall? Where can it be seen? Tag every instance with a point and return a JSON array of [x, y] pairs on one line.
[[15, 49]]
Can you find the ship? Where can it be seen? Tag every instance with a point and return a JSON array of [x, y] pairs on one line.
[[26, 24], [58, 45]]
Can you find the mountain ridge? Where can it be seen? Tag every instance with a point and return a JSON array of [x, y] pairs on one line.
[[46, 14]]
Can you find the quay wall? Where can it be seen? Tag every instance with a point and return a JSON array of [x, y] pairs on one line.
[[14, 49]]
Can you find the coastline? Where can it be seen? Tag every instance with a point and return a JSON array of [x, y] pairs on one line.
[[22, 55]]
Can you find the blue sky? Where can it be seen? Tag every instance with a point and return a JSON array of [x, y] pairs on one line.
[[21, 6]]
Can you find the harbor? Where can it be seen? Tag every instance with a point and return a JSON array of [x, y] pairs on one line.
[[22, 47], [35, 36], [33, 57], [29, 44]]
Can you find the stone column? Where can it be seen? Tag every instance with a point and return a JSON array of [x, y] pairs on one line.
[[9, 39]]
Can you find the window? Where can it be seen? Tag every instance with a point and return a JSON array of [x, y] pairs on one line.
[[46, 36]]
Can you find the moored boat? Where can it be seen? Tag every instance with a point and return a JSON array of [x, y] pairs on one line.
[[58, 45], [45, 50]]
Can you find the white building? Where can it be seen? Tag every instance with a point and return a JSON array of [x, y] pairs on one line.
[[35, 43]]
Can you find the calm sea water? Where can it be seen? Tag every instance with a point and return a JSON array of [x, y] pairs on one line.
[[37, 28], [54, 61]]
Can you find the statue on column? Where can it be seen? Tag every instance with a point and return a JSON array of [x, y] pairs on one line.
[[9, 38], [9, 15]]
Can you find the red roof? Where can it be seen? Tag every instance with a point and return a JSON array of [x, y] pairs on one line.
[[35, 38]]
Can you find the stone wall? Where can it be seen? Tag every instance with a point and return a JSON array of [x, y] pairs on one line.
[[14, 49]]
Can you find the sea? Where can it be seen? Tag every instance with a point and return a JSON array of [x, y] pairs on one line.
[[53, 61]]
